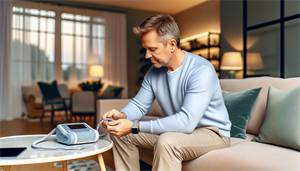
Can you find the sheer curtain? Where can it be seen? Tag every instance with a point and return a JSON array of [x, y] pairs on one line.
[[30, 58], [115, 70], [6, 102], [36, 32]]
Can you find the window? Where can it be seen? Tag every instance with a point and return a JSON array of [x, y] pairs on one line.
[[81, 36], [82, 42], [33, 43]]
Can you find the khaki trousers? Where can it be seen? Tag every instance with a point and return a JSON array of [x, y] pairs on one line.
[[170, 148]]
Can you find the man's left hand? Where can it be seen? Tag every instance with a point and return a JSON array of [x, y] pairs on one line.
[[120, 127]]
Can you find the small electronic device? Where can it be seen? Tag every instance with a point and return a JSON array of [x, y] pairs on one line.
[[76, 133], [134, 128], [11, 152], [72, 134]]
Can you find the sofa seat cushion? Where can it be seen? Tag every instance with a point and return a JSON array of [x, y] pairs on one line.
[[147, 154], [249, 137], [247, 156], [39, 100], [38, 105]]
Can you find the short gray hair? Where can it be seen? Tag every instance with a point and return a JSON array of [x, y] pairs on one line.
[[165, 26]]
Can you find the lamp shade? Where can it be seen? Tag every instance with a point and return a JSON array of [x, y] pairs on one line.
[[96, 71], [254, 61], [232, 61]]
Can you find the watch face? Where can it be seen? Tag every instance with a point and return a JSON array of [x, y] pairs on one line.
[[134, 130]]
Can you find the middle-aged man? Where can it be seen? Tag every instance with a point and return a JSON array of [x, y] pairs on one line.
[[187, 88]]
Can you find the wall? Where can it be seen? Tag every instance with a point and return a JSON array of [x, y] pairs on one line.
[[264, 40], [199, 19]]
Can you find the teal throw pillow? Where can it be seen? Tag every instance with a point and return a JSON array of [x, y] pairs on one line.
[[240, 106], [281, 123]]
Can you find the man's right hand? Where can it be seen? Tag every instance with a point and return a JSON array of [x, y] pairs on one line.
[[114, 114]]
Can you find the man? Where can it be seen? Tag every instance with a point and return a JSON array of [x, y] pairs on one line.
[[187, 88]]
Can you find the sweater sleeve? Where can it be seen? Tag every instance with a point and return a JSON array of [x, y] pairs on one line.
[[139, 105], [201, 86]]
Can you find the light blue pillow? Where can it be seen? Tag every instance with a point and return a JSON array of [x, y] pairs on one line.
[[281, 123], [240, 106]]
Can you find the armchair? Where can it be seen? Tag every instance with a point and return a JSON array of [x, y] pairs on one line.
[[53, 100]]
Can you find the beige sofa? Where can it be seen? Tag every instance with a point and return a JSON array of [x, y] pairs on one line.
[[244, 154], [32, 97]]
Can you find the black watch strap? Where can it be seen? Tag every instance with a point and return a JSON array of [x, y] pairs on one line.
[[134, 128]]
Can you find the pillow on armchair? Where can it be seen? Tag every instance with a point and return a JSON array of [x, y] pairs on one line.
[[50, 91], [112, 91]]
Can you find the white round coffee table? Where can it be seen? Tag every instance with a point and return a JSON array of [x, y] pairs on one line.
[[32, 156]]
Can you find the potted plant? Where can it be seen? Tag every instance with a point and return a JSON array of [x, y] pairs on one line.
[[91, 86]]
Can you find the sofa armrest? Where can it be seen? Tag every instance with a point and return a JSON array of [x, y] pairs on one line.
[[28, 96]]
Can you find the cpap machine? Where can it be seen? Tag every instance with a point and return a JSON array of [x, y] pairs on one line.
[[73, 133]]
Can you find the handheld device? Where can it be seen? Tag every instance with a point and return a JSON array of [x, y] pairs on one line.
[[11, 152], [72, 134]]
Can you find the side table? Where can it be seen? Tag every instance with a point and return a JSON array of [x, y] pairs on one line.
[[33, 156]]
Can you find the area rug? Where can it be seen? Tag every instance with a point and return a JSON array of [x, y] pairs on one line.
[[85, 165]]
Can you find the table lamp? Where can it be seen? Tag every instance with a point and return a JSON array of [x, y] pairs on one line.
[[254, 62], [231, 61], [96, 71]]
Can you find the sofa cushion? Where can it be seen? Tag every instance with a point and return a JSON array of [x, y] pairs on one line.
[[281, 122], [240, 106], [247, 156], [258, 114], [249, 137], [242, 156]]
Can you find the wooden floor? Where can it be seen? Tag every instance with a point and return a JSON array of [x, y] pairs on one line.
[[34, 126]]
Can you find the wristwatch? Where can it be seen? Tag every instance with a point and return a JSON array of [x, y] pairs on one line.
[[134, 128]]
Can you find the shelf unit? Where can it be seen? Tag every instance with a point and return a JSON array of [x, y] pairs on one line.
[[206, 45]]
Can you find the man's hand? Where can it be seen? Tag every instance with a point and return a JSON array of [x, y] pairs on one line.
[[120, 127], [114, 114]]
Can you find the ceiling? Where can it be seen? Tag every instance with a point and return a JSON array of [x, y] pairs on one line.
[[161, 6]]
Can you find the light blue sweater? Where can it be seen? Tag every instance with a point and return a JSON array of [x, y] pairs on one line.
[[190, 97]]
